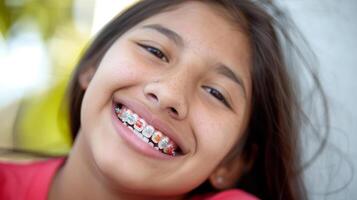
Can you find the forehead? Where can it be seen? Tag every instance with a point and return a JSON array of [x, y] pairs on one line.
[[200, 20], [203, 23]]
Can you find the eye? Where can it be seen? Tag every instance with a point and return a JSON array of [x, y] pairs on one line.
[[217, 94], [156, 52]]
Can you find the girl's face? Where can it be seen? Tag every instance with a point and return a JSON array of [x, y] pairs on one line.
[[186, 73]]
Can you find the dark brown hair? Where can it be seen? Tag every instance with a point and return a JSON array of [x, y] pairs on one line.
[[276, 116]]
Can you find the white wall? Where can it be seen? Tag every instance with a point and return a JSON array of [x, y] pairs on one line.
[[331, 29], [105, 10]]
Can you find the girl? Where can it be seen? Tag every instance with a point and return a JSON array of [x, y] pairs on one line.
[[177, 100]]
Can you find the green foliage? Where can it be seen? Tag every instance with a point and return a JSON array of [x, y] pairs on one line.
[[42, 123], [42, 126], [48, 15]]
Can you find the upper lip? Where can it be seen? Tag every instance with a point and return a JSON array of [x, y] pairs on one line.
[[153, 120]]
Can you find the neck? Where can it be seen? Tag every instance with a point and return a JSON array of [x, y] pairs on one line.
[[80, 179]]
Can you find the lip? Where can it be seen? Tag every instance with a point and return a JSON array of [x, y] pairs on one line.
[[134, 142], [152, 120]]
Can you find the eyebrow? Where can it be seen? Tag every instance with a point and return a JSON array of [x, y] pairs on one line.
[[227, 72], [172, 35]]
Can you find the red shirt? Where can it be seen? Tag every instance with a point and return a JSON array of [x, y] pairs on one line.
[[232, 194], [32, 182], [27, 181]]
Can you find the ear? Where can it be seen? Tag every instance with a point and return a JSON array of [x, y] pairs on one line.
[[228, 172], [85, 77]]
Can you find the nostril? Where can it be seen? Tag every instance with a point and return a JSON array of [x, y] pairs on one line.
[[173, 110], [152, 96]]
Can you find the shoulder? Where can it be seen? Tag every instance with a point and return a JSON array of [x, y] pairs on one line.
[[232, 194], [17, 179]]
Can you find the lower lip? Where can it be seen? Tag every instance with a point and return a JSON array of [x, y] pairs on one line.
[[134, 142]]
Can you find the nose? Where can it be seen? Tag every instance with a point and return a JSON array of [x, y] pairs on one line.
[[169, 94]]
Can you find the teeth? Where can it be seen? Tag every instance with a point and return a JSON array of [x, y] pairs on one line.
[[117, 110], [156, 137], [137, 133], [124, 115], [167, 146], [148, 131], [131, 118], [170, 148], [163, 143], [145, 132], [139, 124], [145, 139]]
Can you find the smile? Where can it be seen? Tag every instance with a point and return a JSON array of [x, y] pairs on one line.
[[146, 132]]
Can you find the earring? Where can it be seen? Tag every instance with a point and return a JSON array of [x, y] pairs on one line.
[[220, 180]]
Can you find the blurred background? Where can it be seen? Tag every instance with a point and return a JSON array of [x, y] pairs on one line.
[[41, 40]]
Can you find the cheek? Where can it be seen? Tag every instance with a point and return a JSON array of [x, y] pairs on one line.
[[117, 70], [114, 73], [108, 78], [216, 137], [219, 139]]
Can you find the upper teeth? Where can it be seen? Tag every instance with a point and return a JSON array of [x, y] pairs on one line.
[[148, 131], [145, 131], [140, 124]]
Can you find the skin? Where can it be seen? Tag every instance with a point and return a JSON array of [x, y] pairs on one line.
[[103, 166]]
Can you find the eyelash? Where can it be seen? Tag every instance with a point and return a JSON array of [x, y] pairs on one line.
[[217, 94], [156, 52]]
